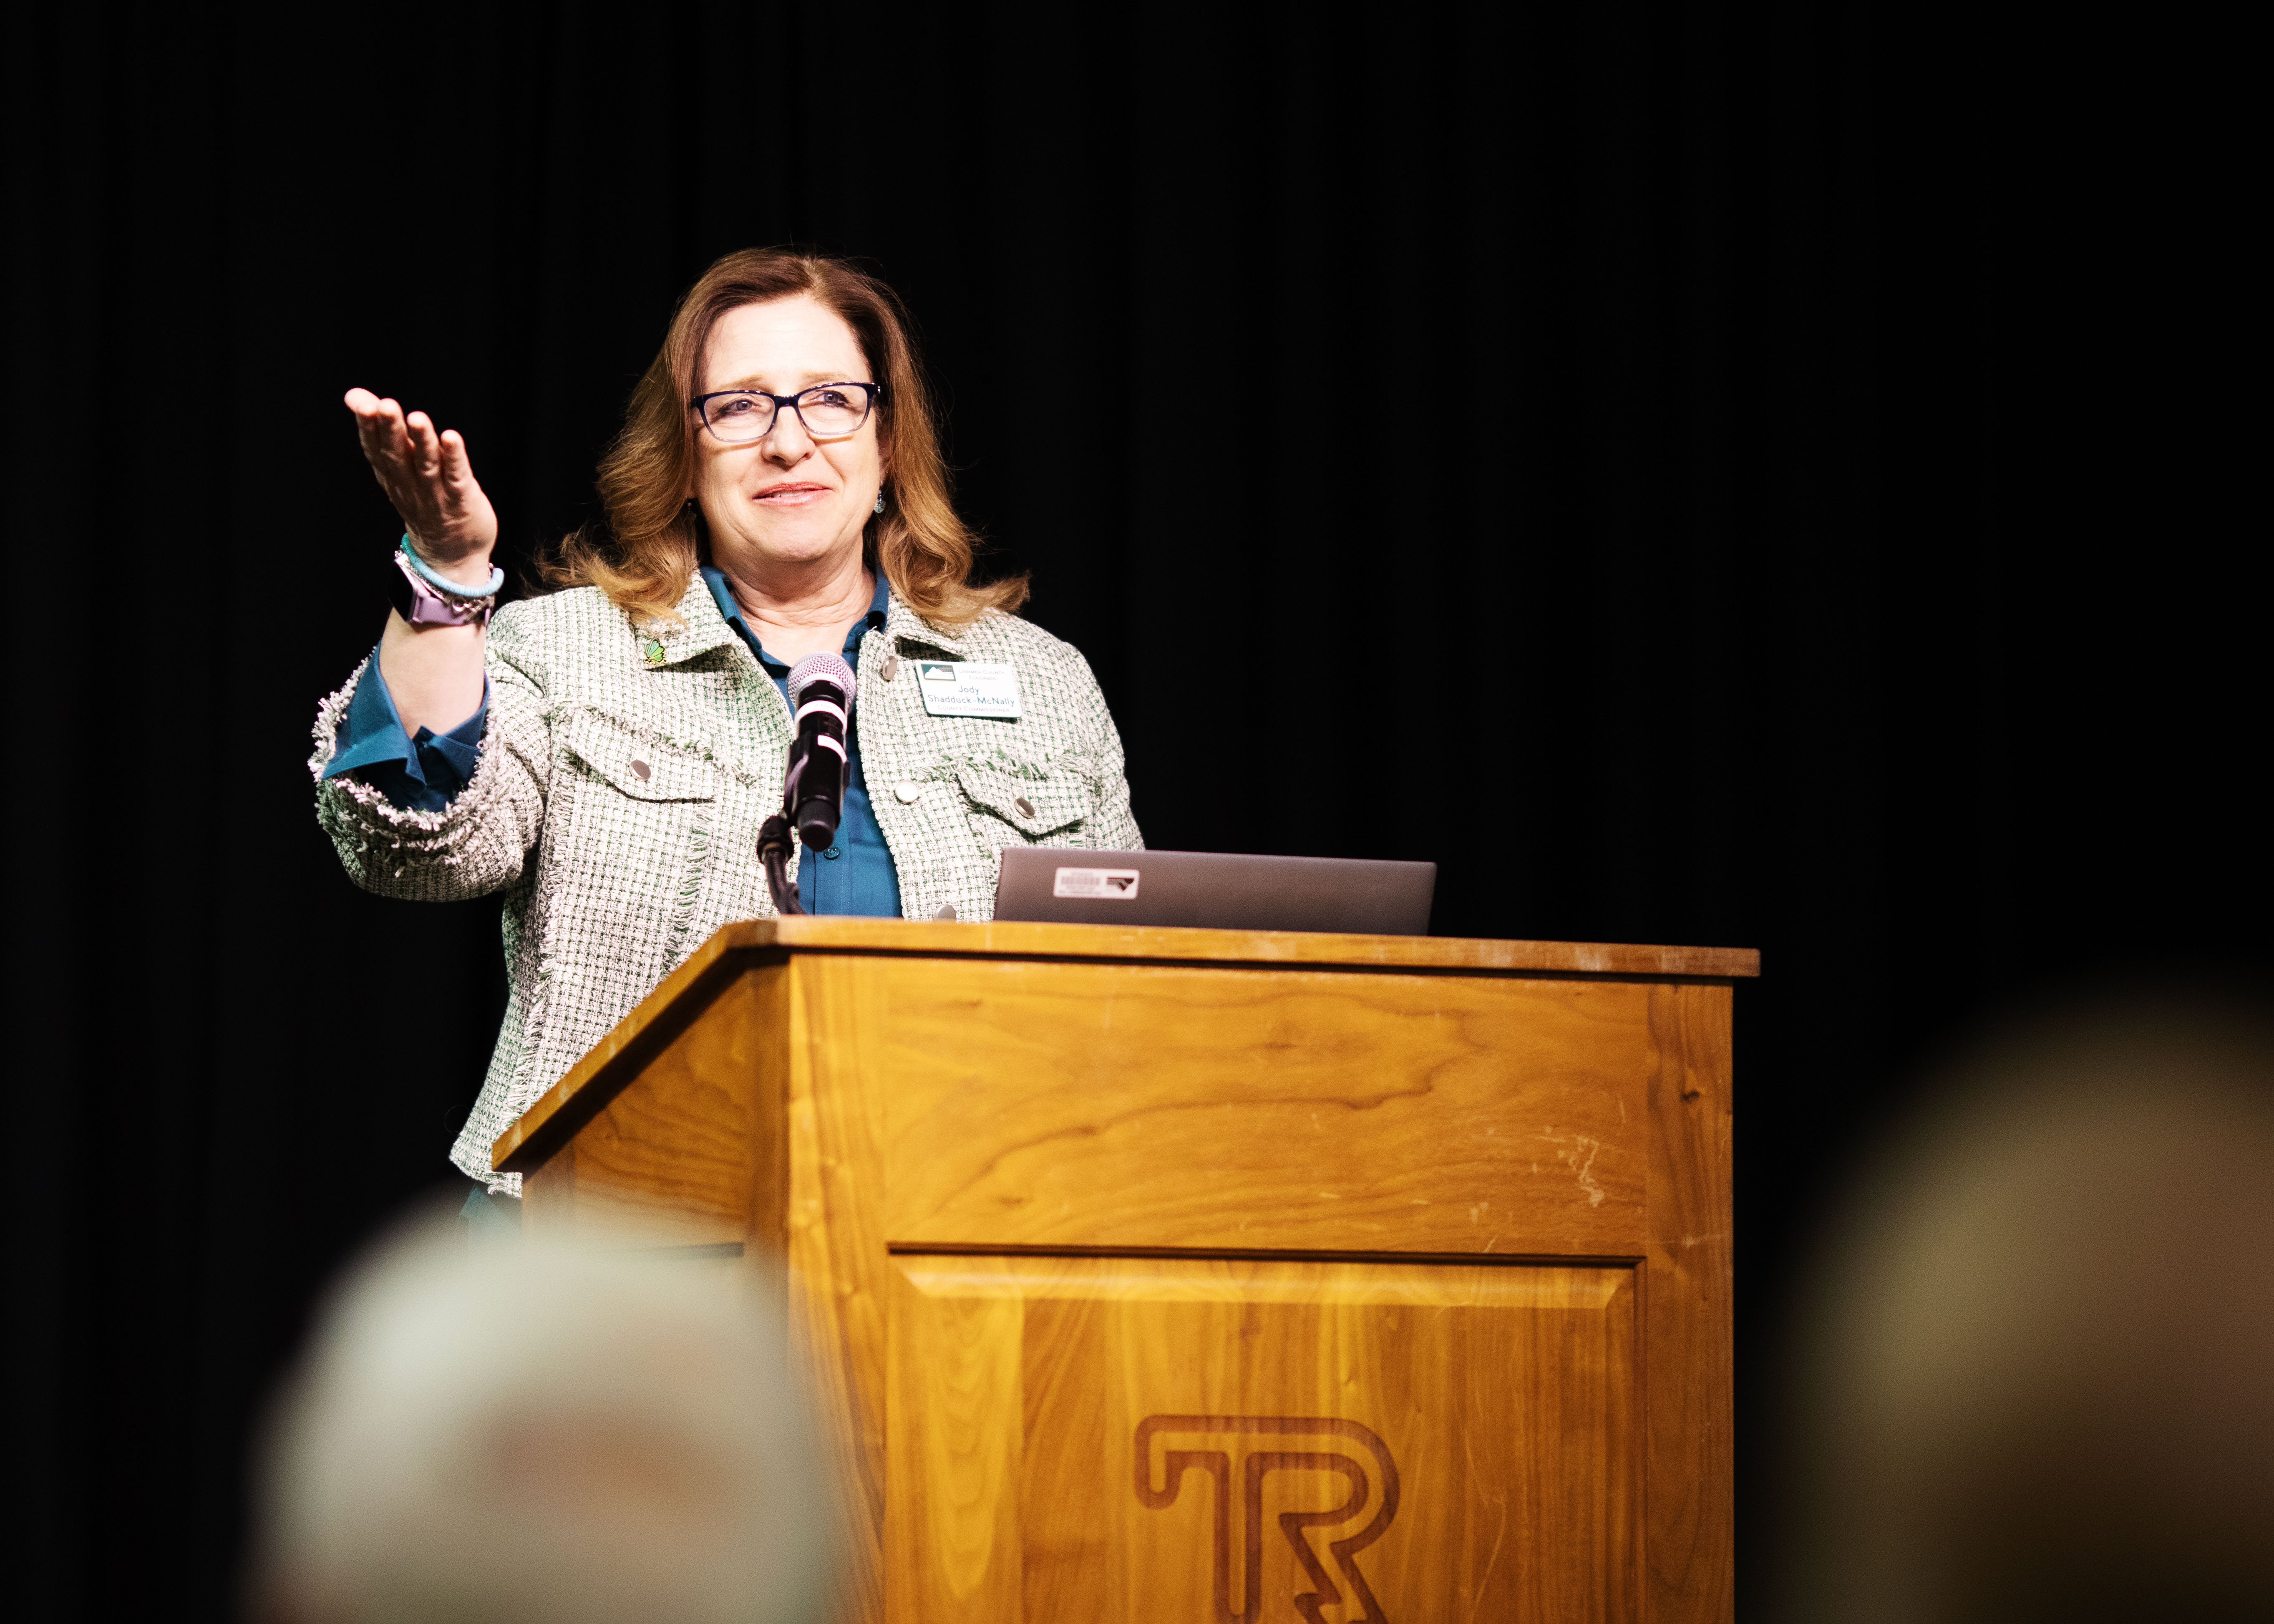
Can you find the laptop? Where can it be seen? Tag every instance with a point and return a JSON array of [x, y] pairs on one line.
[[1219, 889]]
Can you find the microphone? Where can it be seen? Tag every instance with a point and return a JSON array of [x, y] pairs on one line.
[[813, 793]]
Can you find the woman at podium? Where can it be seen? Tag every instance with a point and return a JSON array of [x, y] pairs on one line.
[[604, 754]]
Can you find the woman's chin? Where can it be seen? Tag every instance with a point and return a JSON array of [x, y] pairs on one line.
[[795, 544]]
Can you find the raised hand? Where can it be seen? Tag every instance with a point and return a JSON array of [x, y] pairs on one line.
[[431, 482]]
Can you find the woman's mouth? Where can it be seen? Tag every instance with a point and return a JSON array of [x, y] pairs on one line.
[[791, 494]]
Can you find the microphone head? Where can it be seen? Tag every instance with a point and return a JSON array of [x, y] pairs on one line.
[[820, 668]]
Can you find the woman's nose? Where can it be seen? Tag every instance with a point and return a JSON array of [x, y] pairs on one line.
[[788, 439]]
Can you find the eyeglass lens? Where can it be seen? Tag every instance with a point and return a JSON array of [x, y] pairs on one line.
[[828, 410]]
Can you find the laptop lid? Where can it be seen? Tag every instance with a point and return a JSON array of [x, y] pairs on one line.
[[1221, 889]]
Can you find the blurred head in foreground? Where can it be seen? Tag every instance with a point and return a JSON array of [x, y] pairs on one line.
[[507, 1433], [2041, 1385]]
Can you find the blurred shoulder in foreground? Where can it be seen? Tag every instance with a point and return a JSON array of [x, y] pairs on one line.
[[505, 1432], [2039, 1383]]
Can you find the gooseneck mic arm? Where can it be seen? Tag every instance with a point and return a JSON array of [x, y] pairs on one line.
[[773, 857], [813, 786]]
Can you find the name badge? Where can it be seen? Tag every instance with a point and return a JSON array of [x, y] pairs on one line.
[[969, 688]]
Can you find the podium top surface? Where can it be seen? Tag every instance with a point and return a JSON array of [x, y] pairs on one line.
[[935, 939], [762, 940]]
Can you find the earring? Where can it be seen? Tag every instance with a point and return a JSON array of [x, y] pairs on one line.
[[880, 501]]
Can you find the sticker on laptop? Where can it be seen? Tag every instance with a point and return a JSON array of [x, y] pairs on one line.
[[969, 688], [1113, 884]]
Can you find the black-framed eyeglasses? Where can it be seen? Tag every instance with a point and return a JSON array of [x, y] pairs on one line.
[[829, 410]]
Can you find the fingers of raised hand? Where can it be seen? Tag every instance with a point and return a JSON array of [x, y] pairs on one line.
[[427, 475], [390, 448], [379, 427], [425, 445], [456, 469]]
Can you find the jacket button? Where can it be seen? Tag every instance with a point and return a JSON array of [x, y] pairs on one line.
[[640, 771], [908, 795], [1025, 807], [890, 668], [946, 911]]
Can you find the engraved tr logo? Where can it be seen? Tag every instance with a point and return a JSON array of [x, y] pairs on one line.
[[1259, 1463]]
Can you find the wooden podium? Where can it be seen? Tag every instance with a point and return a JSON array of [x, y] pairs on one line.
[[1169, 1276]]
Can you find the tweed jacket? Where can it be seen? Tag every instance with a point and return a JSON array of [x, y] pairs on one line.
[[620, 788]]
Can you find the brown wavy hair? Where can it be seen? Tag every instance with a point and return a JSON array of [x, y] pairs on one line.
[[644, 554]]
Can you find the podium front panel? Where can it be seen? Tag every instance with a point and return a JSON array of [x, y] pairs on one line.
[[1132, 1439]]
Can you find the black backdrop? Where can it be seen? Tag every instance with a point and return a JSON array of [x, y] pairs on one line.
[[1741, 474]]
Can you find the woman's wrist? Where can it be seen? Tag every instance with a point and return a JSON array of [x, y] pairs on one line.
[[468, 576]]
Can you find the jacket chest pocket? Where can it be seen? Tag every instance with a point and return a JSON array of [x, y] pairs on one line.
[[627, 868], [637, 770], [1037, 805]]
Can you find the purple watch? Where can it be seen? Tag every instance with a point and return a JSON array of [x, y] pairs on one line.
[[411, 592]]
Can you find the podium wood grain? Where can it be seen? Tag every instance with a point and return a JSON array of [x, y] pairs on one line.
[[1209, 1274]]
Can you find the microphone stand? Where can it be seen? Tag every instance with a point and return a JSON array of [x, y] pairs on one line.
[[773, 857]]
